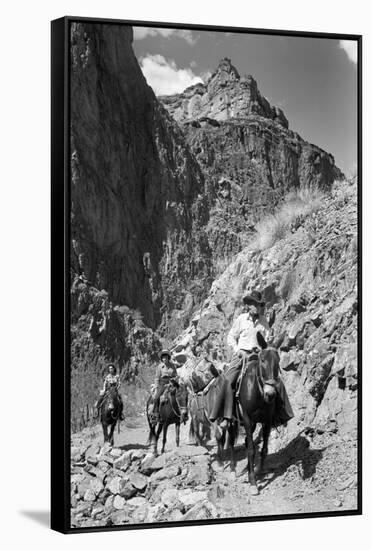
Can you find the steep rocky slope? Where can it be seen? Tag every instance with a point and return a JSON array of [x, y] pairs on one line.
[[308, 277]]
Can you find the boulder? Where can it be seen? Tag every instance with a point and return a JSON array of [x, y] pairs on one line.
[[92, 451], [119, 502], [138, 454], [201, 511], [84, 485], [98, 510], [136, 501], [154, 512], [138, 481], [128, 490], [108, 505], [170, 498], [115, 485], [139, 515], [199, 474], [77, 454], [106, 459], [115, 452], [166, 473], [146, 464], [119, 517], [189, 499], [96, 485], [175, 515], [123, 462]]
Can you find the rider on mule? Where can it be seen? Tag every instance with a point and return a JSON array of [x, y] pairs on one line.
[[112, 379], [242, 338], [166, 372]]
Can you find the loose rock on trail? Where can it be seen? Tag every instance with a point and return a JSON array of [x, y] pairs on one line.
[[125, 484]]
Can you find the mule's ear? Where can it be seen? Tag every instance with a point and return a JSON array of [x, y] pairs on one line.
[[277, 343], [260, 338]]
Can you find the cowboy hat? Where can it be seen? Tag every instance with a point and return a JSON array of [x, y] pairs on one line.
[[254, 298], [165, 352]]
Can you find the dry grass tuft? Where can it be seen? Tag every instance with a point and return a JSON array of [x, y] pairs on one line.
[[291, 214]]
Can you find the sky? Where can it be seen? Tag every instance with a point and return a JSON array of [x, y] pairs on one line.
[[313, 80]]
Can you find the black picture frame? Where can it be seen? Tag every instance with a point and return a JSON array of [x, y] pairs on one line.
[[60, 263]]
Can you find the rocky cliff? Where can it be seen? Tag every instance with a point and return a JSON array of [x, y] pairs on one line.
[[249, 156], [137, 192]]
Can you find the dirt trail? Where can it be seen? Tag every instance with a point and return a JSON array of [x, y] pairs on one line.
[[305, 476]]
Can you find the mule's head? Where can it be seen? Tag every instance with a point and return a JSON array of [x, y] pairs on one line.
[[269, 373], [111, 399]]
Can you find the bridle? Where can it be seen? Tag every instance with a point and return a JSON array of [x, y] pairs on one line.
[[182, 410], [110, 392], [260, 380]]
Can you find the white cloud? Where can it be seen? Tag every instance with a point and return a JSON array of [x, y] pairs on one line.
[[206, 75], [164, 76], [350, 47], [143, 32]]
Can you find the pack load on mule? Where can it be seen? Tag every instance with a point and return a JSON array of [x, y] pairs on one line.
[[195, 371]]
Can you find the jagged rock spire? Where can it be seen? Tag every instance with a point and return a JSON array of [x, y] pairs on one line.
[[224, 96]]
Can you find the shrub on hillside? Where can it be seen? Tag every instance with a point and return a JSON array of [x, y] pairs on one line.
[[289, 217]]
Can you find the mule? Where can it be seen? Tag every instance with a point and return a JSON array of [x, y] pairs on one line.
[[200, 407], [173, 409], [256, 403], [109, 413]]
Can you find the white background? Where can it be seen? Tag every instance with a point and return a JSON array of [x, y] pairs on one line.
[[25, 348]]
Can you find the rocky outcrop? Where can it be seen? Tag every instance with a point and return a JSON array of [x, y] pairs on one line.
[[225, 95], [137, 192], [247, 153]]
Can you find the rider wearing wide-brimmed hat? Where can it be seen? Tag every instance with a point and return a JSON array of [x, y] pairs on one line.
[[165, 372], [242, 339]]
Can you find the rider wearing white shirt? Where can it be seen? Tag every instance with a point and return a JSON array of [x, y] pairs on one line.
[[242, 338]]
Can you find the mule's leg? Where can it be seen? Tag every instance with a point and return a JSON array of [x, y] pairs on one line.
[[198, 432], [249, 428], [177, 434], [220, 438], [105, 432], [264, 451], [232, 438], [156, 438], [191, 435], [111, 433], [164, 434]]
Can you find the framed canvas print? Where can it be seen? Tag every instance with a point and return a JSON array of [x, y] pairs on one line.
[[205, 274]]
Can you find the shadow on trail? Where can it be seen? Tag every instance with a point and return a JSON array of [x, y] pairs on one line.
[[132, 446], [297, 452]]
